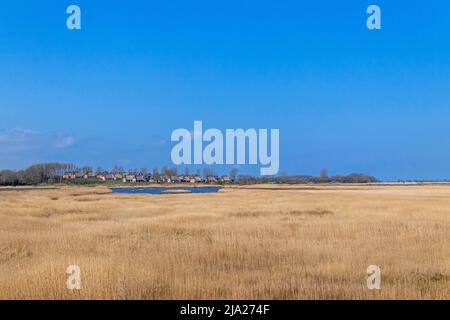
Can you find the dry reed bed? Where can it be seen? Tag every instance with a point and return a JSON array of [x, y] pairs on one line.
[[236, 244]]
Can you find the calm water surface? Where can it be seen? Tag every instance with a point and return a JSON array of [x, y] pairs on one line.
[[157, 190]]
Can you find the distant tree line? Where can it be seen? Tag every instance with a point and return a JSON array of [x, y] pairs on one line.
[[298, 179], [35, 174], [53, 173]]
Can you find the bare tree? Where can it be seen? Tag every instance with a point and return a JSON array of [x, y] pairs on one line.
[[324, 174], [117, 169], [172, 171], [86, 169], [233, 174], [155, 173], [207, 172]]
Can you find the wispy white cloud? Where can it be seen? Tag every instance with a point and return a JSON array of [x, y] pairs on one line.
[[64, 141], [20, 140]]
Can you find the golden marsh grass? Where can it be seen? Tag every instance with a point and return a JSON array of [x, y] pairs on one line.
[[241, 243]]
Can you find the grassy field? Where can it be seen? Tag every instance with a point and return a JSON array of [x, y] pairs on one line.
[[311, 242]]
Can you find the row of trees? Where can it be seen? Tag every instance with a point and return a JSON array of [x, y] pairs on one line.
[[35, 174], [165, 171], [53, 173], [322, 178]]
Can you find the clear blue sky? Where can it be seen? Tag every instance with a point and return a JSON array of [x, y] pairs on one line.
[[344, 97]]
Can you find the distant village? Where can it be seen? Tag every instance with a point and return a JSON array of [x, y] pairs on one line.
[[55, 172], [143, 178]]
